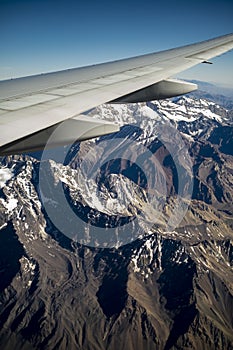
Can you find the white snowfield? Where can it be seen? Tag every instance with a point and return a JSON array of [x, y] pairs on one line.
[[5, 175], [55, 98]]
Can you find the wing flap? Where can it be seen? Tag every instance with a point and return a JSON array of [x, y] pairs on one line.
[[79, 128], [207, 54], [31, 104], [163, 89]]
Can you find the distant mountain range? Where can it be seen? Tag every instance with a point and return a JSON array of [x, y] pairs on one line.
[[148, 263], [218, 94]]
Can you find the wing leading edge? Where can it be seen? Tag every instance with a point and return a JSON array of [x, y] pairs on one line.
[[31, 105]]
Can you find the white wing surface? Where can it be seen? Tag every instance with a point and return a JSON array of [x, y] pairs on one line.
[[32, 106]]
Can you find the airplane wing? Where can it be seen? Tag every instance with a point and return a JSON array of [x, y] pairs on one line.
[[31, 107]]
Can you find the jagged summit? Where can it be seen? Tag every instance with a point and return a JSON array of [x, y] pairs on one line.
[[148, 286]]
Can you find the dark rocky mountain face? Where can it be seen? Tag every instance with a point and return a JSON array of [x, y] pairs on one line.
[[124, 275]]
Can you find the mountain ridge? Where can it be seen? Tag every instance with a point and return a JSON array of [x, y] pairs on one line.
[[154, 289]]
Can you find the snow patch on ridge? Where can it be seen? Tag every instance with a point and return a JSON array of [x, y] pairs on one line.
[[5, 175]]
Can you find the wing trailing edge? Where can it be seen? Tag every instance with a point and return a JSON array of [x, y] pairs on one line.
[[32, 107], [164, 89], [79, 128]]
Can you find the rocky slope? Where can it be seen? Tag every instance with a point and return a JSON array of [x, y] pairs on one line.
[[109, 280]]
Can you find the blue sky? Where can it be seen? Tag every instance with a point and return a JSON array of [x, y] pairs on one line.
[[47, 35]]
